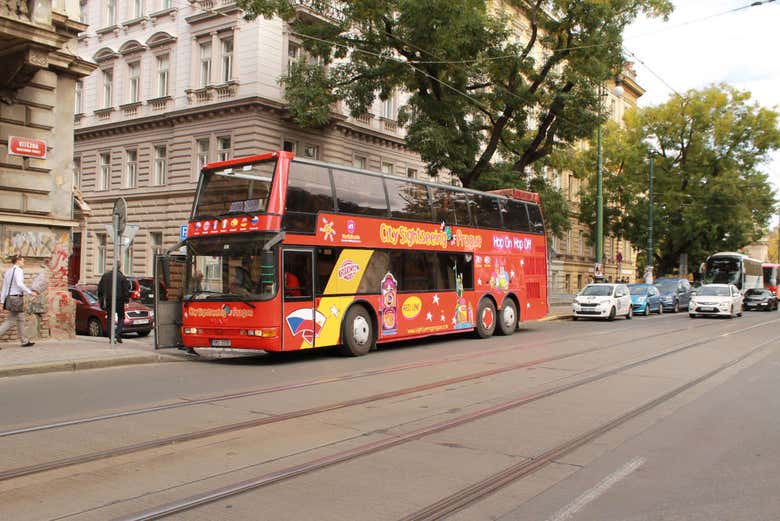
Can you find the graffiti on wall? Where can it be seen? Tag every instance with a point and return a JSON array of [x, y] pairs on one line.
[[30, 242]]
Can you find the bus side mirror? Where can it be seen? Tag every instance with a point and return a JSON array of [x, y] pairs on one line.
[[267, 262]]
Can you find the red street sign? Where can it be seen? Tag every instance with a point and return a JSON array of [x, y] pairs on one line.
[[22, 146]]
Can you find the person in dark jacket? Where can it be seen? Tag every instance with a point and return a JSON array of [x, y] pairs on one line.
[[122, 297]]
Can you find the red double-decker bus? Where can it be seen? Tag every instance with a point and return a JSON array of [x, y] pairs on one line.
[[284, 253], [771, 276]]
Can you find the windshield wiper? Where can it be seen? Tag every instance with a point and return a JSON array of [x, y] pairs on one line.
[[200, 292], [239, 298]]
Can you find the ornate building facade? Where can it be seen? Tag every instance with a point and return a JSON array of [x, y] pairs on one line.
[[37, 85]]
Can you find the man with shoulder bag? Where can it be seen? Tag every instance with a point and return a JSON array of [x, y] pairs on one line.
[[122, 297], [12, 297]]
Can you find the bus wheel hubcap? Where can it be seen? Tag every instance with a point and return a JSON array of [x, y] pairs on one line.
[[360, 330], [509, 316]]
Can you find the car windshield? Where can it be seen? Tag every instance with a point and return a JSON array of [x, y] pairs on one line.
[[640, 289], [666, 286], [757, 292], [597, 291], [91, 297], [714, 291]]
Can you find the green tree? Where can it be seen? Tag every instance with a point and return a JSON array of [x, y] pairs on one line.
[[481, 100], [710, 193]]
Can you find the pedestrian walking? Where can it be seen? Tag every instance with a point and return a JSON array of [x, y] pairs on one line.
[[12, 296], [122, 297]]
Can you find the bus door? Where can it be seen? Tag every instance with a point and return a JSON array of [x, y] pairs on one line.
[[301, 322], [169, 277]]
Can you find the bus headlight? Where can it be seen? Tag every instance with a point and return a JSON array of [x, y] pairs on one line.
[[269, 332], [192, 331]]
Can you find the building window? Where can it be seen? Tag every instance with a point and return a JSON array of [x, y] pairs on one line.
[[568, 242], [77, 172], [131, 168], [567, 282], [163, 70], [308, 150], [160, 164], [390, 107], [166, 4], [227, 59], [104, 176], [110, 13], [138, 8], [311, 151], [203, 153], [134, 77], [293, 54], [100, 254], [581, 246], [83, 11], [205, 64], [155, 246], [387, 168], [411, 173], [224, 151], [108, 88], [79, 102], [359, 162]]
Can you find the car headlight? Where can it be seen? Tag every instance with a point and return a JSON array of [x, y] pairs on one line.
[[641, 300], [723, 305], [151, 314]]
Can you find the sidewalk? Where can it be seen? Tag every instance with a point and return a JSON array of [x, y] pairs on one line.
[[560, 307], [81, 352]]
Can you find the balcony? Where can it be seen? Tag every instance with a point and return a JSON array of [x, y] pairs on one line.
[[161, 103], [200, 95], [318, 10], [131, 109], [104, 114], [211, 9]]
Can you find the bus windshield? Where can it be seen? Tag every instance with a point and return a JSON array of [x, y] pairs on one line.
[[231, 267], [238, 190], [723, 271], [770, 276]]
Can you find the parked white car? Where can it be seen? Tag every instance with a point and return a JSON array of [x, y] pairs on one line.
[[716, 299], [602, 301]]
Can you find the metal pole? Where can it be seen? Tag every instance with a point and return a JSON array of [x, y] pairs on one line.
[[599, 191], [650, 217], [117, 251]]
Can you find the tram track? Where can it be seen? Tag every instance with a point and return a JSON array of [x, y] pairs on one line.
[[27, 470], [475, 492], [310, 383]]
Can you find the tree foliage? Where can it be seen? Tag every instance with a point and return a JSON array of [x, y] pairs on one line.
[[710, 193], [491, 91]]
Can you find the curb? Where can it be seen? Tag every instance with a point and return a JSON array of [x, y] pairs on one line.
[[555, 317], [85, 363]]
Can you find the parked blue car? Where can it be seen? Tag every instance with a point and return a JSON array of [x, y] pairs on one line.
[[675, 293], [645, 298]]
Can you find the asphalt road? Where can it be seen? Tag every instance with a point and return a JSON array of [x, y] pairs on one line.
[[705, 453]]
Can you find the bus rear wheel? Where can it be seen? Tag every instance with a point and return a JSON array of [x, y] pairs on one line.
[[357, 332], [486, 318], [508, 318]]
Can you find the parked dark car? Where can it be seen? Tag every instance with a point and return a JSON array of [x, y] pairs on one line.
[[760, 298], [142, 288], [93, 321], [675, 293]]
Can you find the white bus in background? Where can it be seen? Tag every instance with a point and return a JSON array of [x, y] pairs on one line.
[[733, 268]]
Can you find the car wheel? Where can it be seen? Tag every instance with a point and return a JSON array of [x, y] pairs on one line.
[[693, 315], [630, 313], [94, 328], [144, 333], [486, 318], [612, 313], [508, 320], [731, 312], [646, 312], [358, 332], [660, 309], [574, 318], [676, 307]]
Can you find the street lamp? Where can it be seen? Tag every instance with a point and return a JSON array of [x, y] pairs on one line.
[[600, 178], [652, 148]]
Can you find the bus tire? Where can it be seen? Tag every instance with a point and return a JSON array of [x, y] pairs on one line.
[[486, 318], [507, 320], [357, 332]]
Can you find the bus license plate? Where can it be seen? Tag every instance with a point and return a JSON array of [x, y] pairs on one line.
[[141, 321], [220, 342]]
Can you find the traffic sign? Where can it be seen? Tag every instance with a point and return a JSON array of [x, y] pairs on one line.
[[182, 232], [120, 212]]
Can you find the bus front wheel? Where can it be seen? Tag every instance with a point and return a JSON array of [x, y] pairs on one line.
[[358, 332], [508, 318], [486, 318]]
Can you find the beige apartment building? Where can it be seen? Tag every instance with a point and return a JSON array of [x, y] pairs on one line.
[[39, 69], [183, 83]]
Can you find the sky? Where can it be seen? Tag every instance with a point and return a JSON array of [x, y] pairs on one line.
[[701, 44]]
